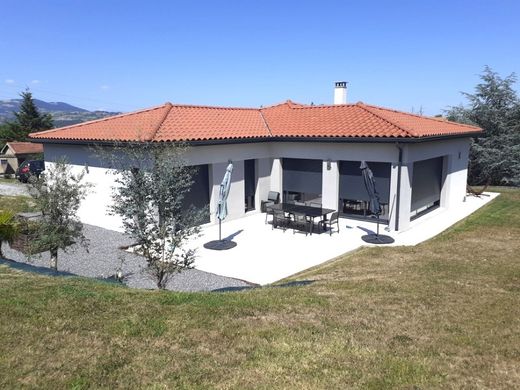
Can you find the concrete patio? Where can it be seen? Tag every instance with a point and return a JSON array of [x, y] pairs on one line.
[[264, 255]]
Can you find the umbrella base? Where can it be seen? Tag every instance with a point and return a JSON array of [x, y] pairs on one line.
[[220, 245], [377, 239]]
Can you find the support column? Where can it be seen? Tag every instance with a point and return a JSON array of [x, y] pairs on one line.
[[446, 181], [392, 201], [277, 176], [263, 186], [405, 197], [330, 185]]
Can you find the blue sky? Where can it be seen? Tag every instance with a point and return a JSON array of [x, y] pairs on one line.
[[126, 55]]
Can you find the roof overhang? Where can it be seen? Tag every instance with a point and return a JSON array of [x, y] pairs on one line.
[[403, 140]]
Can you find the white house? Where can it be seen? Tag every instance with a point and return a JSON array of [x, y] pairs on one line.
[[304, 152]]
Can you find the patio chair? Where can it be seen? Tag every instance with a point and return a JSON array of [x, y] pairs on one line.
[[300, 222], [272, 198], [280, 219], [334, 219]]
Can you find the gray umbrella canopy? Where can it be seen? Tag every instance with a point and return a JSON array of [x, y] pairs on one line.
[[223, 194], [370, 185]]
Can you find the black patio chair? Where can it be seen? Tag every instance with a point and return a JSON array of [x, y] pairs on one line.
[[268, 211], [280, 219], [334, 219], [300, 222], [272, 198]]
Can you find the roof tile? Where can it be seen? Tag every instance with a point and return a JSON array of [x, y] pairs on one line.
[[194, 123], [25, 147]]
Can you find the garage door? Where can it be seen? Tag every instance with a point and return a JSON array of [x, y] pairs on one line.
[[426, 185]]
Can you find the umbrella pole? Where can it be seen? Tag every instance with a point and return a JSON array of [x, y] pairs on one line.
[[377, 234], [219, 229]]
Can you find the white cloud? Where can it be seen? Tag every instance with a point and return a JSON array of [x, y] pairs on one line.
[[35, 82], [9, 81], [105, 87]]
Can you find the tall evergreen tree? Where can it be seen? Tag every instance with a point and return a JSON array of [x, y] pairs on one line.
[[495, 107], [28, 119]]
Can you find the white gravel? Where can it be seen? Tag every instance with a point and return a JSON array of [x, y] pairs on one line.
[[104, 258], [13, 189]]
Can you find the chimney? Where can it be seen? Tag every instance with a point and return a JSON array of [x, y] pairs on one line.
[[340, 92]]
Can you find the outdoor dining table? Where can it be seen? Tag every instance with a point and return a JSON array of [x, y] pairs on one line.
[[309, 211]]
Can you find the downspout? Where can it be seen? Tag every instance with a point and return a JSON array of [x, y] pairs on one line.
[[398, 195]]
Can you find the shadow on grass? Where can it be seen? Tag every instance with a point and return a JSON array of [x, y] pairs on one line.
[[113, 280], [35, 269]]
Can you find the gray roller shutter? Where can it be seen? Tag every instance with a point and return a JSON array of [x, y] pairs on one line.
[[302, 175], [426, 183]]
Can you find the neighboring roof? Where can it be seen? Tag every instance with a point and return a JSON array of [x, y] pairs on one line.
[[201, 123], [22, 148]]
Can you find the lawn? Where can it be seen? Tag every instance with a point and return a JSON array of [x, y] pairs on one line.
[[443, 314], [16, 204]]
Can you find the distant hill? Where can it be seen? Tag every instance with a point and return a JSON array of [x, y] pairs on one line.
[[63, 114]]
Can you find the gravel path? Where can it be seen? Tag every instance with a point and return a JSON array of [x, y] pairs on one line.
[[104, 258], [13, 189]]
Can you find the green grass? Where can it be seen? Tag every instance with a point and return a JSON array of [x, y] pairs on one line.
[[16, 204], [443, 314]]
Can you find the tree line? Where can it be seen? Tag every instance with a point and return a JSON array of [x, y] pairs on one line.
[[495, 107]]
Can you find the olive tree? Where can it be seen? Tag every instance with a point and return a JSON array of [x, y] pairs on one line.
[[152, 182], [58, 194]]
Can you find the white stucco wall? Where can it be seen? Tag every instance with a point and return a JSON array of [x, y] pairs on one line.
[[330, 184], [270, 175], [455, 171]]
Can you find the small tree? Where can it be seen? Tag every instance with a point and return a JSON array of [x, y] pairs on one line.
[[152, 182], [8, 229], [58, 194], [28, 119]]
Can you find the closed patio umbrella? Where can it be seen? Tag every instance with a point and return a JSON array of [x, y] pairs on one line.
[[224, 193], [374, 205], [222, 212]]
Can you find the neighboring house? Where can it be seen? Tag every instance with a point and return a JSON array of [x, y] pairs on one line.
[[306, 153], [15, 153]]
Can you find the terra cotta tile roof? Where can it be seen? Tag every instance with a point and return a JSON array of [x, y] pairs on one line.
[[196, 123], [23, 148]]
